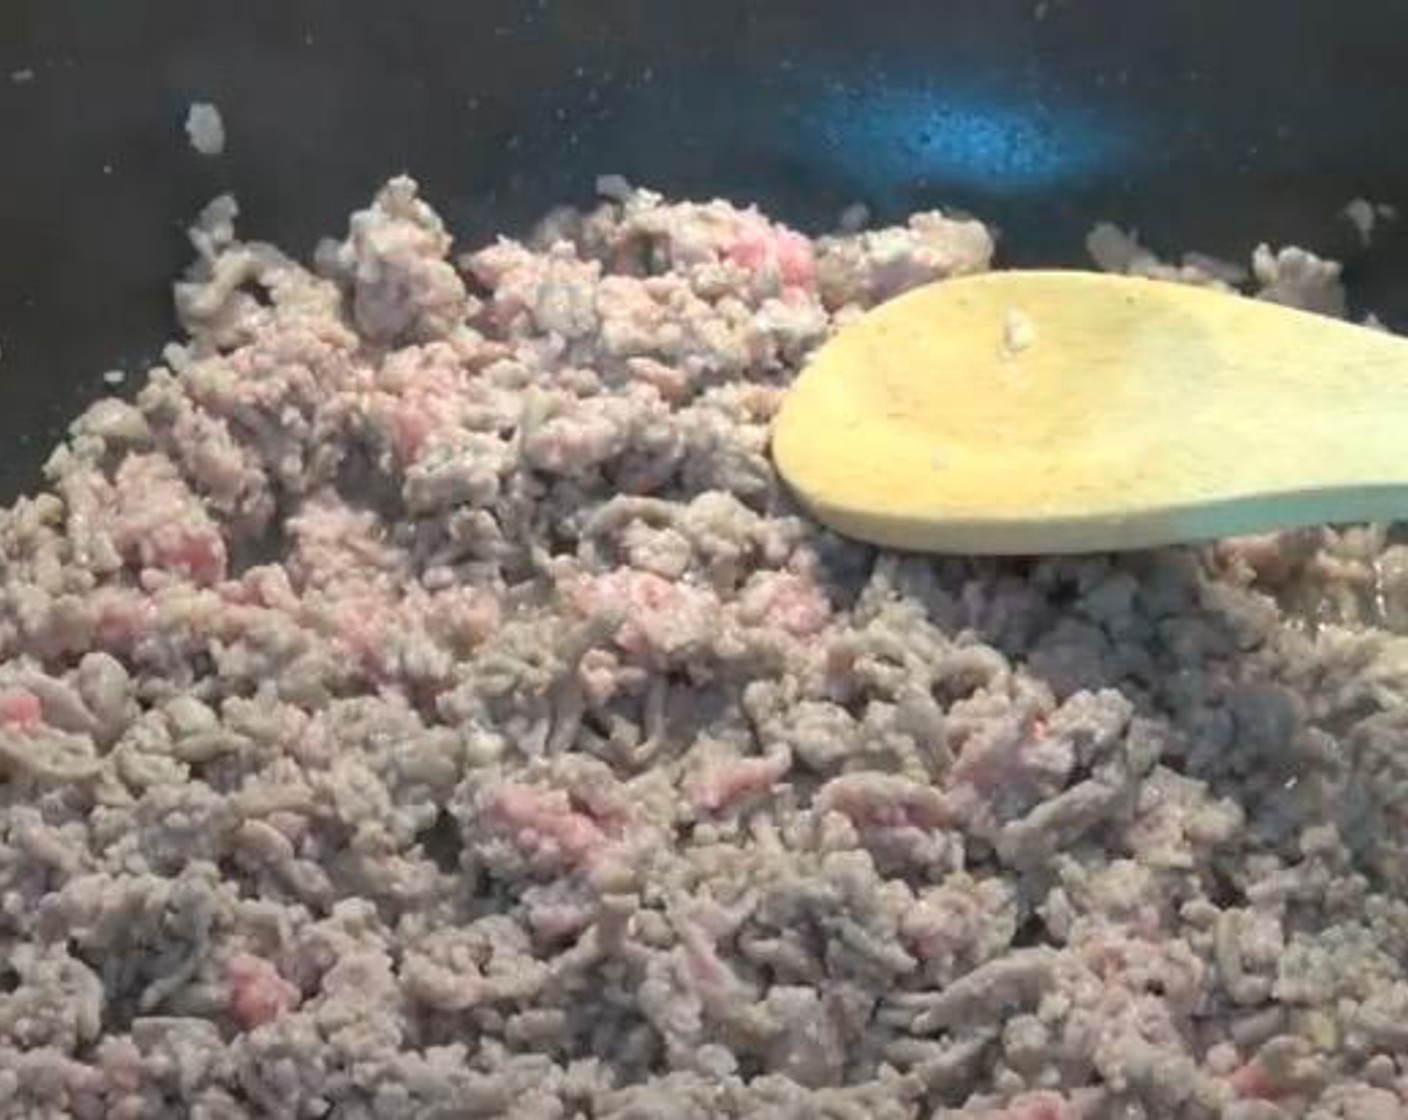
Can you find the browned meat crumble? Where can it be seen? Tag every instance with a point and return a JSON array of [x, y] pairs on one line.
[[424, 701]]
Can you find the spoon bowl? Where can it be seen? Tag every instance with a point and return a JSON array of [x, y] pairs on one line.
[[1059, 412]]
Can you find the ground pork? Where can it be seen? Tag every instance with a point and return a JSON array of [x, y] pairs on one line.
[[205, 128], [421, 698]]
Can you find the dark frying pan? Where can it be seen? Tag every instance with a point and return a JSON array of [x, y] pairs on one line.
[[1206, 124]]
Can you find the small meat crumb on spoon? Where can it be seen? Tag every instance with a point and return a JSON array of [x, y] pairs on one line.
[[1018, 333]]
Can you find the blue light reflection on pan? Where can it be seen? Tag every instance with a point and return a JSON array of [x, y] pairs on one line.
[[988, 143]]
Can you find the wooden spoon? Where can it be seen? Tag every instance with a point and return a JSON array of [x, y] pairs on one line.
[[1044, 412]]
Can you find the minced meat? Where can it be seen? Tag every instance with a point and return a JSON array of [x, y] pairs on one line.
[[423, 700], [205, 128]]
